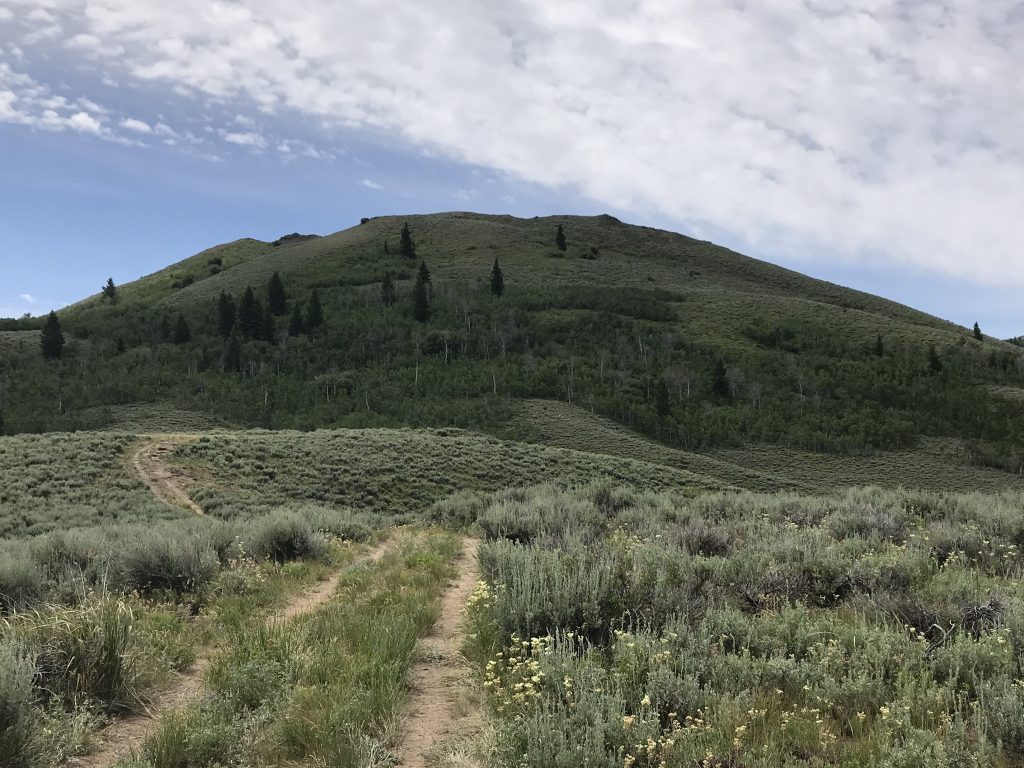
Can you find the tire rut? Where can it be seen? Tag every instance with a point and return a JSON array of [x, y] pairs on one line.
[[127, 735], [439, 667], [161, 480]]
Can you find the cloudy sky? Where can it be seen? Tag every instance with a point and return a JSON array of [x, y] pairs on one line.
[[877, 143]]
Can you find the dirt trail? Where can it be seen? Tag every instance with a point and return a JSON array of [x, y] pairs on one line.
[[438, 669], [157, 475], [127, 735]]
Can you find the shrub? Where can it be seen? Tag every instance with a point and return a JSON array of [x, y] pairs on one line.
[[340, 522], [21, 583], [283, 537], [17, 716], [180, 564]]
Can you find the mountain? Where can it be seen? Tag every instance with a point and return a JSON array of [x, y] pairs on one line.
[[687, 346]]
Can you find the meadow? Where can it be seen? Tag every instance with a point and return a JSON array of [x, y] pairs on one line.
[[872, 628], [629, 613]]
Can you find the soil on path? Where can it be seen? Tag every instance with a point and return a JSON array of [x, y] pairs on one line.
[[127, 735], [158, 476], [439, 669]]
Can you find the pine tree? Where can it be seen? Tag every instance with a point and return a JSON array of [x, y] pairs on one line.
[[420, 298], [250, 315], [110, 290], [406, 245], [661, 401], [879, 346], [497, 280], [387, 289], [52, 340], [720, 380], [227, 314], [267, 329], [182, 333], [423, 275], [387, 248], [934, 361], [560, 238], [977, 332], [277, 298], [295, 327], [315, 314], [166, 332]]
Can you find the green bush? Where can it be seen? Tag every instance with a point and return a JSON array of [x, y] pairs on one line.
[[282, 537], [17, 716], [166, 562], [21, 582]]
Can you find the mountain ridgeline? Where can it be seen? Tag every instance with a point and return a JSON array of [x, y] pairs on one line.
[[456, 319]]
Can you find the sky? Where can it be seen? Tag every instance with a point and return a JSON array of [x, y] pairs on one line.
[[874, 143]]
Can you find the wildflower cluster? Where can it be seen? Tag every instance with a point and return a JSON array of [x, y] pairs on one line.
[[514, 678]]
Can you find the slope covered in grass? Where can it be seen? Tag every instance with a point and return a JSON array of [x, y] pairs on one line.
[[394, 473], [562, 425]]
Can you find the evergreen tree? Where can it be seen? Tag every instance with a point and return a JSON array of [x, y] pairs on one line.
[[295, 327], [977, 332], [560, 238], [227, 314], [420, 298], [52, 340], [182, 333], [387, 248], [165, 328], [934, 361], [661, 401], [497, 280], [267, 329], [424, 275], [720, 380], [879, 346], [250, 315], [406, 245], [387, 289], [110, 290], [315, 314], [277, 298], [120, 345]]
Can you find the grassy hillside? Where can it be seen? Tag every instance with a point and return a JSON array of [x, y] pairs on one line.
[[60, 481], [691, 345]]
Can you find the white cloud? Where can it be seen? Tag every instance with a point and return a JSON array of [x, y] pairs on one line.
[[6, 14], [864, 129], [84, 122], [28, 297], [371, 184], [246, 139], [138, 126]]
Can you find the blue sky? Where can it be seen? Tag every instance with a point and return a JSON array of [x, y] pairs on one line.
[[872, 144]]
